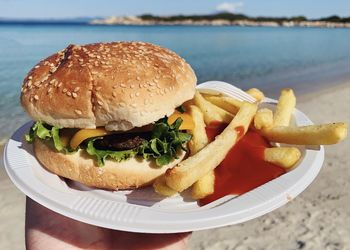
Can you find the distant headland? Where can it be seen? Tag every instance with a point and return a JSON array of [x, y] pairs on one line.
[[225, 19], [218, 19]]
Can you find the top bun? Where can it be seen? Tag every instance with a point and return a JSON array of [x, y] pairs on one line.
[[118, 85]]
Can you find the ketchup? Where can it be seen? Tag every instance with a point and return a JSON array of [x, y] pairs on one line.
[[243, 168]]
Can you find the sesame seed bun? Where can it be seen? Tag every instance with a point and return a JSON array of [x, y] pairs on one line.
[[133, 173], [119, 85]]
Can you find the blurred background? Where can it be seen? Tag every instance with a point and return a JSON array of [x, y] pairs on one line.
[[272, 44]]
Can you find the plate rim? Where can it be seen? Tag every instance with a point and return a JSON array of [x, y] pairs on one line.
[[131, 225]]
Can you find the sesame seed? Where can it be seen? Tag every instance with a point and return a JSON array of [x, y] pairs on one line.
[[29, 83], [98, 88], [59, 85], [115, 86], [100, 103], [69, 93], [36, 97], [138, 78], [77, 111], [76, 89], [37, 66], [132, 86], [64, 90], [137, 94], [122, 104], [30, 77], [122, 85], [114, 94], [132, 95], [133, 105], [75, 95]]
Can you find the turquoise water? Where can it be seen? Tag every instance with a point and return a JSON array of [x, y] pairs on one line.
[[268, 58]]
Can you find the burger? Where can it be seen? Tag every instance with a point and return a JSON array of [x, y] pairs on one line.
[[109, 115]]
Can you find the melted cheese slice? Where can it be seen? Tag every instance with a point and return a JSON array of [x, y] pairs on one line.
[[84, 134], [187, 121]]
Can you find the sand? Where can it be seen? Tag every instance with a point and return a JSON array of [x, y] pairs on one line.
[[319, 218]]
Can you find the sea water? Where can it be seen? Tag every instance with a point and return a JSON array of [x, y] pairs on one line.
[[268, 58]]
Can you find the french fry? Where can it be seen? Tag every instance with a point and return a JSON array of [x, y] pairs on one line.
[[285, 107], [204, 186], [210, 111], [206, 95], [229, 104], [285, 157], [263, 119], [193, 168], [199, 136], [324, 134], [161, 187], [256, 93]]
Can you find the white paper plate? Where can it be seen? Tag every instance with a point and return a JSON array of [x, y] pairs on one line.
[[145, 211]]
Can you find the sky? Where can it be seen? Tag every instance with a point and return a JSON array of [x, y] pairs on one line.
[[104, 8]]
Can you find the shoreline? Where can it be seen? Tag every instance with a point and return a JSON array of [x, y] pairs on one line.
[[223, 19], [335, 86]]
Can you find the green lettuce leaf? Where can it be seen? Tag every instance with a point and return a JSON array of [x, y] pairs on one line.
[[166, 141], [47, 132], [181, 109]]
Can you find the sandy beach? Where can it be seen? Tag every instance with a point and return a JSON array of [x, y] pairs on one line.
[[317, 219]]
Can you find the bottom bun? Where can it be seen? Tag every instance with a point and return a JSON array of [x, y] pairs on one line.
[[133, 173]]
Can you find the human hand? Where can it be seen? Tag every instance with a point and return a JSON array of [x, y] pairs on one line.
[[45, 229]]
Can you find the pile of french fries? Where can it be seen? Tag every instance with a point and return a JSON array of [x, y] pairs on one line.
[[197, 171]]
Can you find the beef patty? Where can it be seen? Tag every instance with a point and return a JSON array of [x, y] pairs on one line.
[[119, 142]]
